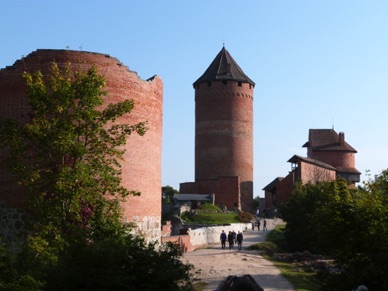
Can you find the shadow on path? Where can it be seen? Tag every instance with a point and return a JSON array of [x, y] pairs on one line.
[[214, 264]]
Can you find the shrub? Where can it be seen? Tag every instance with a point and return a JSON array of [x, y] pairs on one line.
[[121, 263], [245, 217]]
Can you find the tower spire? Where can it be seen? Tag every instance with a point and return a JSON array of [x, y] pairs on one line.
[[223, 67]]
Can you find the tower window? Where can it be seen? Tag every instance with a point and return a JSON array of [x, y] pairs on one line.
[[240, 84], [209, 84], [224, 82]]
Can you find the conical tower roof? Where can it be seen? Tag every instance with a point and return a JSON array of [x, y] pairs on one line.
[[223, 67]]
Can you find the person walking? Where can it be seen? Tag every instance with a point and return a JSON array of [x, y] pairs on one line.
[[223, 239], [234, 234], [253, 225], [239, 240], [264, 225], [258, 225], [230, 240]]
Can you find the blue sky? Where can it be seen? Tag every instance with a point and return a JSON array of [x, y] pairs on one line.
[[316, 64]]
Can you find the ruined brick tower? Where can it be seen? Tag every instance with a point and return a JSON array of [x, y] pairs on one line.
[[224, 134], [141, 168]]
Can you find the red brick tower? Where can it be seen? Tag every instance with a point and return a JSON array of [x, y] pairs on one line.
[[141, 168], [224, 129], [327, 146]]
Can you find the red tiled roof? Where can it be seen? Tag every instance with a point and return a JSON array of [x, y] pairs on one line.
[[296, 158], [348, 170], [271, 186]]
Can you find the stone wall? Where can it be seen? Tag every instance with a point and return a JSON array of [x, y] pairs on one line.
[[12, 230], [211, 234], [203, 236]]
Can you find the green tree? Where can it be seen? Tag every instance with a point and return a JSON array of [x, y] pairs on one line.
[[67, 158], [348, 224], [255, 204], [301, 214], [140, 267], [363, 243], [168, 193]]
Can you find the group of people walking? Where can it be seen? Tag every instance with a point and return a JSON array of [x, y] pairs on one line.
[[232, 239], [258, 224]]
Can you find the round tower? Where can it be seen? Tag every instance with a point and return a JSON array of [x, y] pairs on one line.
[[224, 126], [141, 166]]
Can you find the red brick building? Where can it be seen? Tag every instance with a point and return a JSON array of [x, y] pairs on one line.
[[328, 156], [224, 134], [141, 168]]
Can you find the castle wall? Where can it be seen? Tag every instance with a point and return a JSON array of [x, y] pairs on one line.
[[306, 173], [188, 188], [224, 134], [229, 193], [204, 236], [283, 190], [310, 173], [337, 159], [141, 169]]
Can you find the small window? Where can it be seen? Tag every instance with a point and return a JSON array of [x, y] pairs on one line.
[[224, 82], [209, 84], [240, 84]]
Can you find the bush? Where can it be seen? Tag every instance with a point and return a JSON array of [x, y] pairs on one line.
[[10, 277], [121, 263], [245, 217], [348, 224]]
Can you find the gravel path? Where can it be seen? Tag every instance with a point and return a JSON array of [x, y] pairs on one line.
[[213, 264]]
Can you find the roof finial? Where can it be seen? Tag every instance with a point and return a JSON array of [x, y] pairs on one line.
[[223, 43]]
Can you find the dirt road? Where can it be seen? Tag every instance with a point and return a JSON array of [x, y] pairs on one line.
[[214, 264]]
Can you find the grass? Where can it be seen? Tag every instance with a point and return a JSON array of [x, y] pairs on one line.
[[199, 286], [275, 242], [212, 218], [212, 214], [301, 280]]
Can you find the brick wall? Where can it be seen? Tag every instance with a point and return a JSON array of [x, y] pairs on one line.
[[142, 165], [283, 190], [182, 241], [226, 190], [310, 173], [306, 173], [338, 159]]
